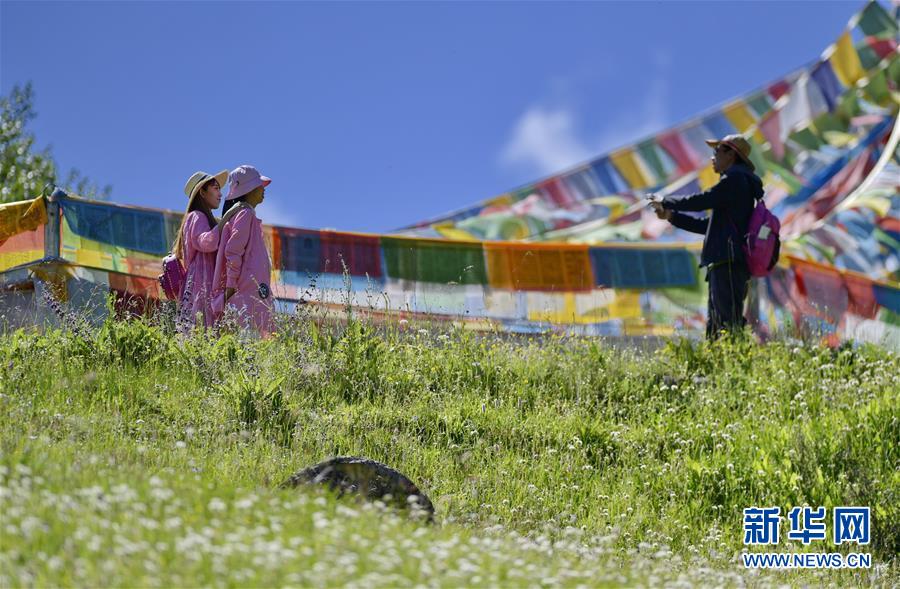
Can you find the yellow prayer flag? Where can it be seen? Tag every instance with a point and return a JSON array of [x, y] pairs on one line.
[[450, 231], [739, 115], [627, 304], [502, 200], [838, 138], [632, 169], [880, 204], [22, 216], [616, 205], [552, 307], [742, 119], [707, 177], [845, 61]]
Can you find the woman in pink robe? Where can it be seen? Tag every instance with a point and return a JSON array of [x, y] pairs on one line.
[[243, 270], [196, 246]]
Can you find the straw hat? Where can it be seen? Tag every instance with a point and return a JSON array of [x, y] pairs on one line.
[[198, 179], [738, 144]]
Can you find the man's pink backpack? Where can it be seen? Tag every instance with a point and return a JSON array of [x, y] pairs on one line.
[[172, 278], [762, 243]]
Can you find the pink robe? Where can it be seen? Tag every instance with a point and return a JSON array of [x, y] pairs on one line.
[[242, 263], [199, 244]]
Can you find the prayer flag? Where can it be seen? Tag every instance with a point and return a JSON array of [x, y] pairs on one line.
[[643, 268], [742, 118], [875, 20], [707, 177], [845, 61], [556, 267], [581, 184], [359, 254], [760, 103], [779, 89], [739, 115], [608, 177], [631, 169], [683, 154], [20, 217], [556, 192], [720, 125], [876, 88], [696, 136], [823, 75], [433, 260], [653, 156], [770, 127]]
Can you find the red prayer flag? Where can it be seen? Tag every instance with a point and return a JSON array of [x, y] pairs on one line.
[[360, 254], [882, 47], [862, 297], [778, 89], [682, 154], [770, 127], [825, 290], [889, 224], [558, 192]]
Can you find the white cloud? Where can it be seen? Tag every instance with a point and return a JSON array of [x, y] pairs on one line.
[[546, 140]]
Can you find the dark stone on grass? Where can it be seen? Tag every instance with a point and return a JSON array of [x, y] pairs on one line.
[[670, 380], [368, 479]]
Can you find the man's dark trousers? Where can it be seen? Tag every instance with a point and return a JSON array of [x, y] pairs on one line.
[[728, 285]]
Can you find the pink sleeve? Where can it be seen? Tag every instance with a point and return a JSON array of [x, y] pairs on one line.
[[235, 246], [201, 237]]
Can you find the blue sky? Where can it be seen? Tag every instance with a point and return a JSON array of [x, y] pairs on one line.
[[370, 116]]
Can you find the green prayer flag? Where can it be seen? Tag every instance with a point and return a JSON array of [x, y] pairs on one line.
[[894, 71], [807, 138], [786, 176], [848, 107], [756, 156], [760, 104], [648, 151], [875, 20], [889, 317], [876, 89], [523, 193], [867, 56], [434, 261], [828, 122]]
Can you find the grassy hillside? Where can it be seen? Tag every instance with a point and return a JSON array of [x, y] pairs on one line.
[[133, 457]]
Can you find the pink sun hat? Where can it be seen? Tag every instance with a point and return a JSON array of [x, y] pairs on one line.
[[243, 179]]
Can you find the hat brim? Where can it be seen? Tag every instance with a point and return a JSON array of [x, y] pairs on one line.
[[221, 178], [233, 194], [714, 143]]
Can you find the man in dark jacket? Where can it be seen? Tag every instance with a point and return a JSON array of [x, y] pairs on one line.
[[730, 202]]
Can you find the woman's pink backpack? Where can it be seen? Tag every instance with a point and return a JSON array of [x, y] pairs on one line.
[[762, 244], [172, 278]]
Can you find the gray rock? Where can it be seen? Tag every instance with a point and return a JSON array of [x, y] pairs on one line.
[[367, 478]]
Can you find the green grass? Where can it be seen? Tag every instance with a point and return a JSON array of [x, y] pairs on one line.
[[133, 457]]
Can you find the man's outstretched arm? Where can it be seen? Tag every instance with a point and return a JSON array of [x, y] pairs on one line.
[[688, 223], [713, 198]]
